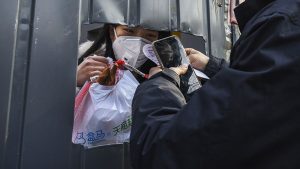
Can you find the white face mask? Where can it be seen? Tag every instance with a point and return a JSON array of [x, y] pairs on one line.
[[130, 48]]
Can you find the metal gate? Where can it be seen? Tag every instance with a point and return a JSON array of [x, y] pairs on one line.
[[38, 59]]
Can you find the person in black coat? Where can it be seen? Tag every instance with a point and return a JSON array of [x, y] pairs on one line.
[[246, 116]]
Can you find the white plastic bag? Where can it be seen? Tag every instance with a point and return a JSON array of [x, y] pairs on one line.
[[103, 113]]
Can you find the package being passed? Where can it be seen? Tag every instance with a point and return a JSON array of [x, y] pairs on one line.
[[103, 110]]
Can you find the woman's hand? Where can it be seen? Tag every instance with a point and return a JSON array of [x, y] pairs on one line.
[[91, 66], [197, 59]]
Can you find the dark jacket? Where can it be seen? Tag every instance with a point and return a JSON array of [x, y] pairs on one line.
[[214, 65], [246, 116]]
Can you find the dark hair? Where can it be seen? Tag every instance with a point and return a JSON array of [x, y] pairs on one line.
[[103, 37]]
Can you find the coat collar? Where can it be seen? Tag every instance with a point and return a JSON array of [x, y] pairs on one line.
[[245, 11]]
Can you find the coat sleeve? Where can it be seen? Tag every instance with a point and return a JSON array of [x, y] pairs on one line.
[[238, 118], [164, 126], [214, 65]]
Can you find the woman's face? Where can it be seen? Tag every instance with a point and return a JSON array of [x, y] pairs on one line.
[[123, 30]]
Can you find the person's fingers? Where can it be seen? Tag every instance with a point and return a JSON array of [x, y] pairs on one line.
[[94, 73], [188, 51], [191, 51], [181, 70], [95, 68], [88, 64], [154, 70], [90, 67], [198, 59], [98, 62], [101, 59]]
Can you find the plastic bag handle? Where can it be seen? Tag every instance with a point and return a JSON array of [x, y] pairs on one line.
[[81, 94]]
